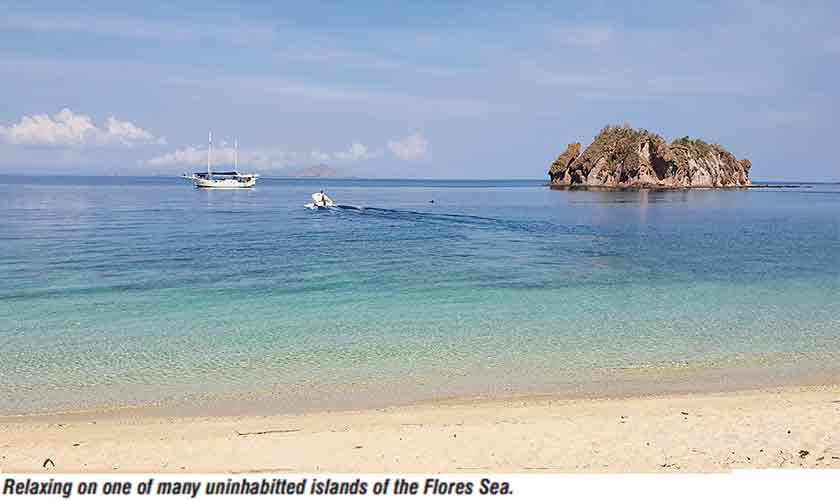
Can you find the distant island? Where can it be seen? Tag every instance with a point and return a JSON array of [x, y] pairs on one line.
[[624, 157], [321, 170]]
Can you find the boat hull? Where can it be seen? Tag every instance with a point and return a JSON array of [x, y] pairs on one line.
[[224, 183], [313, 206]]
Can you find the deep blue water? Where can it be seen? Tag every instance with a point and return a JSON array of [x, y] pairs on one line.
[[119, 291]]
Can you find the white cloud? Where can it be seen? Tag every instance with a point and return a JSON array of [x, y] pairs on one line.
[[127, 132], [196, 157], [357, 152], [413, 147], [187, 157], [66, 128], [319, 156]]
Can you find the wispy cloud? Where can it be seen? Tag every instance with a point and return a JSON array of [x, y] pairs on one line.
[[282, 45], [413, 147], [589, 36], [491, 85], [192, 156], [340, 57], [67, 128], [630, 79], [252, 83], [356, 152], [230, 31]]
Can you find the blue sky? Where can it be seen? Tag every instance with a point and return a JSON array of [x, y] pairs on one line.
[[411, 89]]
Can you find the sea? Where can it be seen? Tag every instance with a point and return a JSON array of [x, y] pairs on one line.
[[144, 292]]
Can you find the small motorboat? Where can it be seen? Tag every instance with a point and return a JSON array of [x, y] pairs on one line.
[[320, 200]]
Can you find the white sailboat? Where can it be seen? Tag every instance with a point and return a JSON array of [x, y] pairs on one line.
[[222, 180]]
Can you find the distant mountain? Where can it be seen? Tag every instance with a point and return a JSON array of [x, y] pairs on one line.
[[315, 171]]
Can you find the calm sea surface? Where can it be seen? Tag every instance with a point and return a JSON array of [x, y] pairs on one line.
[[125, 291]]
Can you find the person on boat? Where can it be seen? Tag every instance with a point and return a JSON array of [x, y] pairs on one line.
[[324, 198]]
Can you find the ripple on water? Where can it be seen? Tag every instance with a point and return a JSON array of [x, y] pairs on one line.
[[114, 294]]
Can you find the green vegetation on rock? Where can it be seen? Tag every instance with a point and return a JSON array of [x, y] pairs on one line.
[[621, 156]]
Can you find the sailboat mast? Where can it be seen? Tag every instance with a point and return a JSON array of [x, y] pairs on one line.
[[235, 155], [209, 150]]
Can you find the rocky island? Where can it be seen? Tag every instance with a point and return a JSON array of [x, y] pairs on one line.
[[624, 157]]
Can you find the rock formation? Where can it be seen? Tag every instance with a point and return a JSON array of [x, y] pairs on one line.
[[621, 156]]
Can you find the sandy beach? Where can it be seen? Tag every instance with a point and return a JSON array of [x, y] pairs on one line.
[[790, 427]]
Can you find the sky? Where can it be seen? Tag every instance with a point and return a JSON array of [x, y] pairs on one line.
[[433, 89]]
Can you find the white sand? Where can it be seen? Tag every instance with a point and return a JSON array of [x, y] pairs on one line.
[[792, 427]]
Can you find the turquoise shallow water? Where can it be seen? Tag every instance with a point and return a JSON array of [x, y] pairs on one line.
[[121, 291]]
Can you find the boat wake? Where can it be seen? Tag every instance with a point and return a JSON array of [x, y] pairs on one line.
[[452, 219]]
